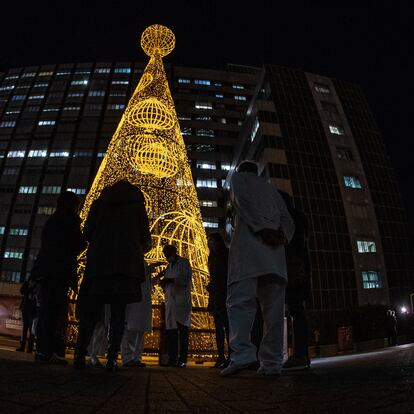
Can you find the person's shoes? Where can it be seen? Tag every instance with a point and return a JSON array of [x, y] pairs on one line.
[[233, 368], [111, 365], [180, 364], [57, 360], [134, 364], [269, 372], [40, 357], [94, 362], [296, 363]]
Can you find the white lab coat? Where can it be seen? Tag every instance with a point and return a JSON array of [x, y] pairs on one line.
[[257, 205], [178, 294]]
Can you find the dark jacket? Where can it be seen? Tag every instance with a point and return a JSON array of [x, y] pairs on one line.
[[218, 269], [117, 230], [61, 243]]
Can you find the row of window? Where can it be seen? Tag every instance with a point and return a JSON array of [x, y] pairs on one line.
[[207, 82], [15, 231], [42, 153], [49, 189], [209, 165]]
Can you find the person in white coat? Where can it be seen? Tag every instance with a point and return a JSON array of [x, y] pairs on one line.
[[138, 321], [257, 270], [176, 282]]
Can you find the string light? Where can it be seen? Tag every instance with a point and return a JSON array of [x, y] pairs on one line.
[[147, 150]]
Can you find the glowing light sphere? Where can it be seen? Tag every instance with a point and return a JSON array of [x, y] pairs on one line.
[[157, 40], [151, 114]]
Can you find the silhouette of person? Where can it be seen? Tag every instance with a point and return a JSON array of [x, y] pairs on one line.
[[257, 270], [55, 271], [391, 326], [217, 288], [28, 309], [118, 233], [176, 282], [298, 287]]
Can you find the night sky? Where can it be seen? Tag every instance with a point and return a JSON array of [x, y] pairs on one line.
[[371, 44]]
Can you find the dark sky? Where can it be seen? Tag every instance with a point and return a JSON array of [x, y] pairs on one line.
[[371, 44]]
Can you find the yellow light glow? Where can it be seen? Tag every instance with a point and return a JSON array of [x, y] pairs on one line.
[[148, 150]]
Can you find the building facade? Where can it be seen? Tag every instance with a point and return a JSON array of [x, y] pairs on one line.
[[313, 136]]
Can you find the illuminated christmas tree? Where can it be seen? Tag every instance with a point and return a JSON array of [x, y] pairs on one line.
[[147, 150]]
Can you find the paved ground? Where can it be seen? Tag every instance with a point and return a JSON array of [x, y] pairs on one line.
[[375, 382]]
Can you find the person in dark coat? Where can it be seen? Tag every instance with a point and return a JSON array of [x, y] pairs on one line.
[[55, 271], [28, 309], [217, 288], [299, 286], [118, 233], [391, 327]]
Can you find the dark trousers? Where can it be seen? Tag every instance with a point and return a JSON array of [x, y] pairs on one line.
[[296, 310], [53, 317], [27, 320], [221, 322], [88, 319], [177, 338]]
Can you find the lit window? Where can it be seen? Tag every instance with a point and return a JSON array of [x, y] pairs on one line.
[[27, 190], [223, 120], [37, 153], [79, 82], [82, 154], [206, 183], [50, 110], [180, 80], [203, 118], [352, 182], [18, 232], [205, 133], [45, 73], [43, 123], [122, 70], [75, 94], [51, 189], [186, 131], [18, 97], [11, 77], [83, 72], [184, 118], [203, 105], [218, 84], [36, 96], [13, 254], [62, 73], [2, 229], [117, 82], [206, 165], [12, 112], [255, 128], [219, 95], [207, 203], [7, 124], [16, 154], [225, 166], [96, 93], [202, 82], [40, 85], [102, 70], [29, 75], [239, 97], [59, 154], [10, 276], [7, 88], [32, 108], [101, 154], [46, 210], [366, 246], [337, 130], [72, 108], [322, 88], [210, 223], [116, 106], [371, 280], [238, 86], [79, 191]]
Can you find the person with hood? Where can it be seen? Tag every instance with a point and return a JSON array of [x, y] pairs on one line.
[[117, 230], [53, 273], [257, 270], [217, 288]]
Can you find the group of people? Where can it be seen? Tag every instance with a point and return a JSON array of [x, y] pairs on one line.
[[248, 280]]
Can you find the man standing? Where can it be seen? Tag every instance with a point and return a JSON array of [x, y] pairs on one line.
[[257, 270], [177, 287]]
